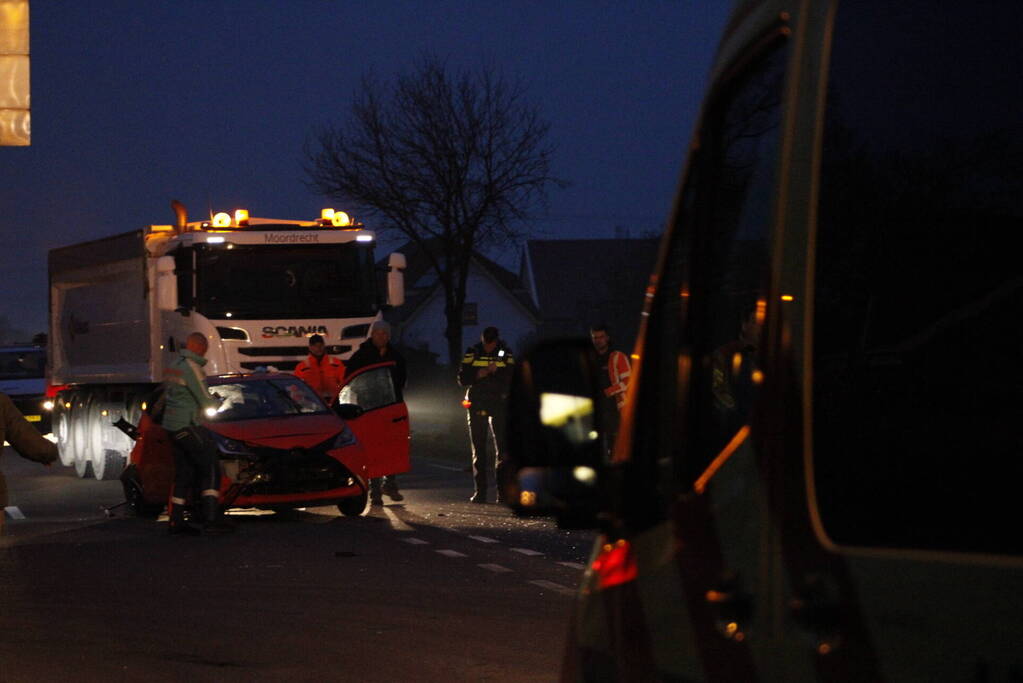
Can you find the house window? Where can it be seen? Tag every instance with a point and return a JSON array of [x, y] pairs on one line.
[[469, 315]]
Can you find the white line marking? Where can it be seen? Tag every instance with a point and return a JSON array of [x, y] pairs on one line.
[[494, 568], [445, 467], [416, 541], [452, 553], [526, 551], [483, 539], [396, 523], [573, 565], [14, 513], [556, 587]]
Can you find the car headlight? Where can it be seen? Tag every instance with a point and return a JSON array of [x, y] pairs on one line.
[[232, 446], [345, 438]]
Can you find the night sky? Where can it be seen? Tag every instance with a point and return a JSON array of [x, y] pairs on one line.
[[210, 102]]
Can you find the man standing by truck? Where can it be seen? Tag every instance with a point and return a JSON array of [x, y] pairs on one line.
[[195, 453], [320, 371], [378, 349], [486, 372]]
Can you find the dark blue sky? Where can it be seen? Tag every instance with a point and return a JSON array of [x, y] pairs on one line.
[[210, 102]]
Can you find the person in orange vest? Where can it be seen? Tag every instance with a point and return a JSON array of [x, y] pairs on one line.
[[322, 372], [614, 380]]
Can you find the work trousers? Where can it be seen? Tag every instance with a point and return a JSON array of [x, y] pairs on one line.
[[196, 463], [487, 425]]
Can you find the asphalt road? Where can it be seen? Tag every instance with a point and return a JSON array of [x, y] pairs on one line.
[[430, 589]]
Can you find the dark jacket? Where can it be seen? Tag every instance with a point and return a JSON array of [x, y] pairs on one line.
[[490, 392], [24, 438], [368, 354]]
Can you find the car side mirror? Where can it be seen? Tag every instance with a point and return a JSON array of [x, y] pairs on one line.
[[347, 411], [555, 434]]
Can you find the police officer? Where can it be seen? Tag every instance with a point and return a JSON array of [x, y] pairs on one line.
[[195, 453], [486, 371]]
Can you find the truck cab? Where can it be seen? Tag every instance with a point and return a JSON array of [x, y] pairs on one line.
[[817, 466]]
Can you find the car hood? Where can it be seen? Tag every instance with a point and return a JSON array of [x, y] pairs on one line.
[[298, 431]]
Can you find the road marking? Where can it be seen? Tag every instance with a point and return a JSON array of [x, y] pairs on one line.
[[573, 565], [452, 553], [483, 539], [446, 467], [526, 551], [396, 523], [14, 513], [556, 587], [494, 568], [416, 541]]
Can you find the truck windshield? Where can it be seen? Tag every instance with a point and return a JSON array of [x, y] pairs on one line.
[[22, 364], [250, 282]]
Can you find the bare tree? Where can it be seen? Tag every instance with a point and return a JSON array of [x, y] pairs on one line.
[[455, 162]]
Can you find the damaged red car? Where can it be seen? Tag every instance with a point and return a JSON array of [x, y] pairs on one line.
[[282, 447]]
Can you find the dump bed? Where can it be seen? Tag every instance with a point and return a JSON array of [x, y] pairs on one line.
[[100, 313]]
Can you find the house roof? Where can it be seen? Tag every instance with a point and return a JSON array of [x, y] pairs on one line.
[[421, 281], [576, 283]]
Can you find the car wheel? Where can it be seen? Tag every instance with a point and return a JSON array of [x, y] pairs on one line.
[[354, 506], [137, 500]]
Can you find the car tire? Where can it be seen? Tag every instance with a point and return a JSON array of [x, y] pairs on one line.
[[354, 506], [137, 500]]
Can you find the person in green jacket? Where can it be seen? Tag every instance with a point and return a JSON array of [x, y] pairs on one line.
[[25, 439], [187, 398]]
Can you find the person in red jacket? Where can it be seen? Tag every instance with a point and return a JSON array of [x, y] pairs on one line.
[[322, 372], [614, 380]]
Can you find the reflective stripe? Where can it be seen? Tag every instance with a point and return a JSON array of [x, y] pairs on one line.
[[177, 501], [210, 492], [484, 362]]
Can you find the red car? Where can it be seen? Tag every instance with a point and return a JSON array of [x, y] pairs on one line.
[[282, 447]]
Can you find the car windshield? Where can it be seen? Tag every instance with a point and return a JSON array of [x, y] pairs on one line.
[[262, 398], [22, 364]]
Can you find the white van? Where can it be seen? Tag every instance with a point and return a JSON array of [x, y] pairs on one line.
[[818, 470]]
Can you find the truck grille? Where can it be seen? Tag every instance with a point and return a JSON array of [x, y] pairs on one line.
[[303, 351]]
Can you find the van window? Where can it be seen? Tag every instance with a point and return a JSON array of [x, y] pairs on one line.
[[704, 328], [918, 365]]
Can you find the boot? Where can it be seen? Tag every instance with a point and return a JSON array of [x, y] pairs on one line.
[[375, 497], [176, 524], [215, 522], [480, 496], [390, 489]]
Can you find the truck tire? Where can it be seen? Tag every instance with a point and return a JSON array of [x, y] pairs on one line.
[[78, 425], [107, 465], [62, 431]]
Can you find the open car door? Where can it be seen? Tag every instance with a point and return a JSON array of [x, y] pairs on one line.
[[383, 426]]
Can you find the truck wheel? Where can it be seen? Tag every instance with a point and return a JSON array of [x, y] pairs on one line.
[[62, 430], [354, 506], [108, 465], [78, 434], [83, 467]]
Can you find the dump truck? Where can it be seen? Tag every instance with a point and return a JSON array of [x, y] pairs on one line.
[[122, 306]]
